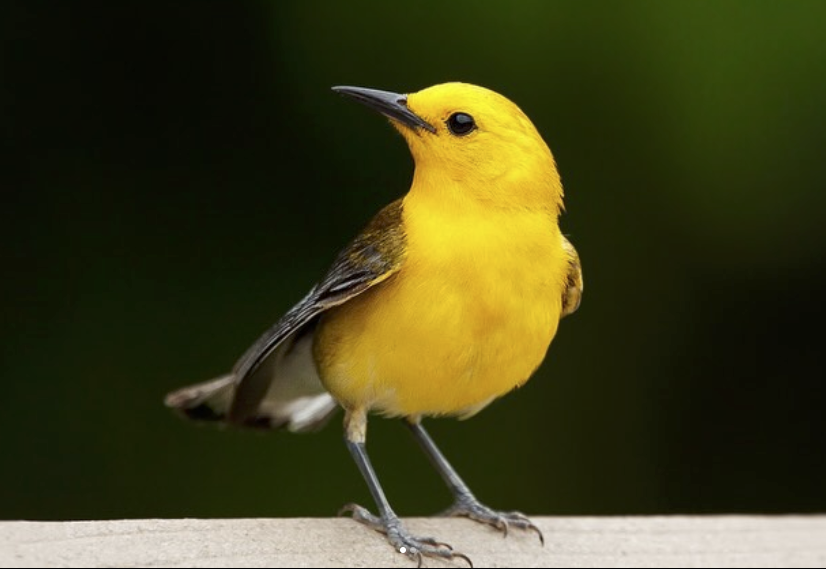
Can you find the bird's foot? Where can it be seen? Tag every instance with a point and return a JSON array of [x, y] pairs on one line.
[[402, 541], [471, 508]]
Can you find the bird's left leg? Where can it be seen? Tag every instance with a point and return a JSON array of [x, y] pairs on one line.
[[387, 522], [465, 503]]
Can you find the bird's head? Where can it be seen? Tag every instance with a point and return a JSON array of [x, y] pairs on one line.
[[469, 139]]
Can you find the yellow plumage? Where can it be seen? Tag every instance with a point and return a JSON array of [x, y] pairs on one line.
[[463, 321]]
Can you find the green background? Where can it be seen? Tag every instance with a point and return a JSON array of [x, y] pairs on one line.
[[177, 175]]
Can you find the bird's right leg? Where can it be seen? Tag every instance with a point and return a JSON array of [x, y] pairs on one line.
[[387, 522], [466, 504]]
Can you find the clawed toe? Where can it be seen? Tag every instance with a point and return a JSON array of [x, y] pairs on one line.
[[502, 521], [402, 541]]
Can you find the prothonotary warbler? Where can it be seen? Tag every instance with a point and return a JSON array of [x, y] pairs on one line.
[[448, 299]]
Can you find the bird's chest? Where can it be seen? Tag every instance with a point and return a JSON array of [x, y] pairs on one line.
[[468, 317], [486, 309]]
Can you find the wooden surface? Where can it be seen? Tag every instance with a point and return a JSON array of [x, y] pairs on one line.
[[727, 541]]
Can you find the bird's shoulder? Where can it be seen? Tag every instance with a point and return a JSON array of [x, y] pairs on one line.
[[376, 253]]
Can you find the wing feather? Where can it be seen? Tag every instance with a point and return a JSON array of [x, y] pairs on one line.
[[373, 256]]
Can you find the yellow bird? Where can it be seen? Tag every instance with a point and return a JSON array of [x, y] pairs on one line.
[[448, 299]]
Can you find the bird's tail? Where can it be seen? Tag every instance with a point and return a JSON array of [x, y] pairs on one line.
[[207, 401], [210, 401]]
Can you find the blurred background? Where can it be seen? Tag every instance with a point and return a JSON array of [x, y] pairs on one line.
[[176, 175]]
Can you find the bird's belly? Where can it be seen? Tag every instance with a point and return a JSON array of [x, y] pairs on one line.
[[426, 345]]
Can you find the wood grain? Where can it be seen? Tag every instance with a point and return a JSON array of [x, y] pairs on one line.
[[707, 541]]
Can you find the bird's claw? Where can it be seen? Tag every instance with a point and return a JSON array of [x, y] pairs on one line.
[[502, 521], [402, 541]]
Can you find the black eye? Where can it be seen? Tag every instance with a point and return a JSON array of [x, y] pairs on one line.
[[460, 123]]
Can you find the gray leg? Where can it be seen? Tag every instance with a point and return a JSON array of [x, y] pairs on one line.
[[465, 503], [387, 522]]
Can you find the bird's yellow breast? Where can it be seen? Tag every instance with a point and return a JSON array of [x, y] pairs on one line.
[[468, 317]]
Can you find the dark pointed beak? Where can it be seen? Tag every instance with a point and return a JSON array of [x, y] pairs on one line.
[[391, 105]]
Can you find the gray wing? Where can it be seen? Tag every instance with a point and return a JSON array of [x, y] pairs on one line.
[[275, 383]]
